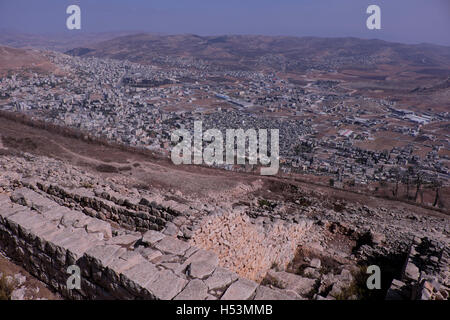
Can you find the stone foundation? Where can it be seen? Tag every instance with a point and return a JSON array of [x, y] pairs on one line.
[[133, 214], [249, 249], [46, 238]]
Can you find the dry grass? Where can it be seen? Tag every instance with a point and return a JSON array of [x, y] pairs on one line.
[[6, 288]]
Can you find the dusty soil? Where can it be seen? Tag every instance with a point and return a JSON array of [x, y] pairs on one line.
[[24, 60], [33, 288]]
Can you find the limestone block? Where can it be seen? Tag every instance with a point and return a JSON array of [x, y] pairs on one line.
[[12, 224], [4, 199], [171, 229], [99, 226], [72, 218], [311, 273], [315, 263], [103, 255], [8, 209], [172, 245], [266, 293], [69, 238], [200, 269], [220, 278], [27, 220], [242, 289], [201, 264], [291, 281], [126, 261], [195, 290], [151, 237], [56, 213], [76, 249], [412, 272], [166, 285], [46, 236], [32, 200], [137, 277], [149, 253], [125, 240], [190, 251]]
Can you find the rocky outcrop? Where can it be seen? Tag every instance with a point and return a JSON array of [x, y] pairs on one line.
[[425, 275]]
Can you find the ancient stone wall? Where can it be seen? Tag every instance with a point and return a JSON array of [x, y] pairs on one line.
[[46, 238], [134, 214], [249, 249]]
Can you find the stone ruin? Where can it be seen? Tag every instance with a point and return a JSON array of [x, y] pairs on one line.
[[425, 273], [150, 248], [122, 252]]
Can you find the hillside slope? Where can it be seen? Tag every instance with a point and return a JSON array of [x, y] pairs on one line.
[[279, 53]]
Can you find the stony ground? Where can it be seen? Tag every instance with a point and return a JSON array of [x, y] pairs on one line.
[[298, 241], [24, 286]]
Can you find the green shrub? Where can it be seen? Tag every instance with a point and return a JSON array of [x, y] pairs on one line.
[[266, 203]]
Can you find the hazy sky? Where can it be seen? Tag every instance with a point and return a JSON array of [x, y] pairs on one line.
[[410, 21]]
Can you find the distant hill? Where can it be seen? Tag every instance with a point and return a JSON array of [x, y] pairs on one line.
[[444, 85], [79, 51], [12, 59], [56, 42], [290, 54]]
